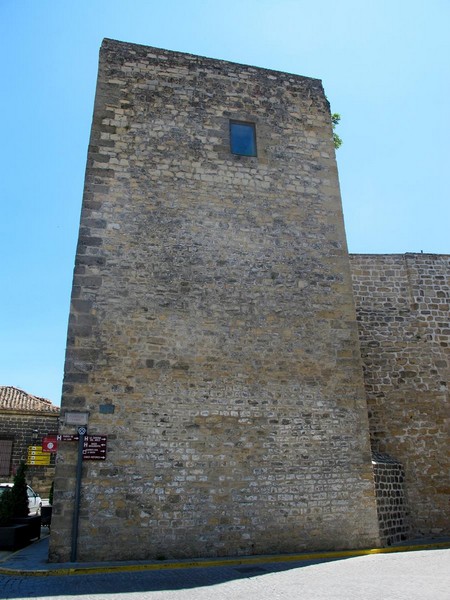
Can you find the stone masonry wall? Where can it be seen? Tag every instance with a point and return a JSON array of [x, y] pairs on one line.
[[402, 304], [212, 332], [393, 515]]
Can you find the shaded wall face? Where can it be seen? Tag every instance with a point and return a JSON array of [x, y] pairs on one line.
[[392, 506], [212, 333], [402, 304]]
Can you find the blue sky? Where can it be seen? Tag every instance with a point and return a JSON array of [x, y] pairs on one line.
[[385, 66]]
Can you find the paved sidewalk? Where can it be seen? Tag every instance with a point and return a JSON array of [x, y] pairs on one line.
[[407, 575], [33, 559]]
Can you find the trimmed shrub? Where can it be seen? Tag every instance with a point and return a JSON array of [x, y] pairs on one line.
[[6, 507], [19, 492]]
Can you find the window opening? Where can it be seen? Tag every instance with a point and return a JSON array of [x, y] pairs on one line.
[[243, 138], [5, 457]]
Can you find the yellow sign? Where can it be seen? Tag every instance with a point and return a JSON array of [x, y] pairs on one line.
[[37, 457]]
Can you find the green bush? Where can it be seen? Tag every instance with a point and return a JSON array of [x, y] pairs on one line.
[[19, 492], [6, 507]]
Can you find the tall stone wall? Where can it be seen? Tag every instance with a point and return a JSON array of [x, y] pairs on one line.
[[402, 303], [212, 332]]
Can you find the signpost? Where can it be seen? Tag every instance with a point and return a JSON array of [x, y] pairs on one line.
[[76, 512], [90, 447], [94, 446]]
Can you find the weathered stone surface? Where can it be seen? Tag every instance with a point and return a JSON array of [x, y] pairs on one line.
[[392, 506], [214, 292], [402, 304]]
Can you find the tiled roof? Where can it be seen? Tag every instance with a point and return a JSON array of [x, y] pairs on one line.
[[12, 398]]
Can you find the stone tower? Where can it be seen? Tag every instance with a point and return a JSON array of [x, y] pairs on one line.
[[212, 332]]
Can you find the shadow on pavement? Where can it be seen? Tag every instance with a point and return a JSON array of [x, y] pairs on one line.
[[140, 581]]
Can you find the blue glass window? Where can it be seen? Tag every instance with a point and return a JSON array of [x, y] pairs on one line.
[[243, 138]]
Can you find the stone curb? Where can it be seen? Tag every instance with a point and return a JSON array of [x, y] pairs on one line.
[[223, 562]]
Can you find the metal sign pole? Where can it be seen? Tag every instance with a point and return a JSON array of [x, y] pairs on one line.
[[76, 510]]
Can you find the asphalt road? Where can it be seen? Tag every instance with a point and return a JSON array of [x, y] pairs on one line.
[[420, 575]]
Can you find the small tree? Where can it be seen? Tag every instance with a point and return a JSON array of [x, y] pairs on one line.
[[335, 118], [6, 507], [19, 492]]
